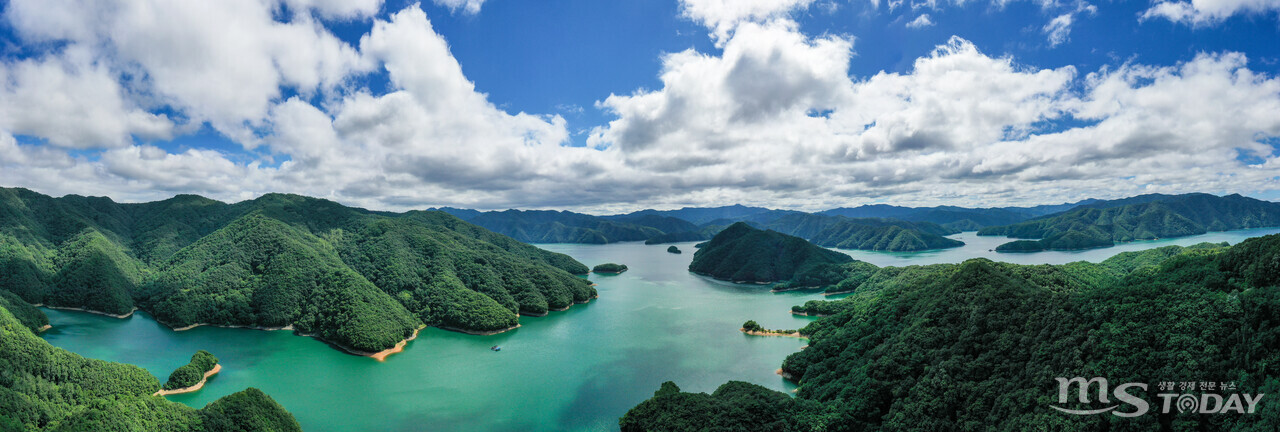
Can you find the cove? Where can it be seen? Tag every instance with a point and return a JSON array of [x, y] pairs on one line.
[[577, 370], [976, 246]]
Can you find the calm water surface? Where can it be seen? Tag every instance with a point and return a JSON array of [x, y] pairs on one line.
[[577, 370]]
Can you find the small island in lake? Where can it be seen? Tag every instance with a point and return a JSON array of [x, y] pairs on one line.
[[742, 253], [609, 268], [191, 376], [673, 249], [751, 327]]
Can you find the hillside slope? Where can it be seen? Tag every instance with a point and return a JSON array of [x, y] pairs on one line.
[[1144, 217], [360, 280], [47, 388], [741, 253], [978, 345]]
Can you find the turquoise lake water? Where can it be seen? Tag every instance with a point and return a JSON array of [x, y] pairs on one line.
[[577, 370]]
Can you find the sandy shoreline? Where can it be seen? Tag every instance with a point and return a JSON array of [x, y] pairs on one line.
[[760, 333], [837, 292], [216, 368], [45, 327], [123, 316], [785, 375], [382, 355], [808, 314]]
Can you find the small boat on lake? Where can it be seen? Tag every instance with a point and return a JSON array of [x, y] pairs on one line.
[[496, 348]]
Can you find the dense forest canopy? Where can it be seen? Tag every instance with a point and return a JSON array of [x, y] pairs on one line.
[[43, 387], [1145, 217], [609, 268], [742, 253], [191, 373], [890, 235], [978, 345], [360, 280]]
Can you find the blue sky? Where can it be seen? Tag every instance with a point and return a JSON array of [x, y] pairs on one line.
[[614, 106]]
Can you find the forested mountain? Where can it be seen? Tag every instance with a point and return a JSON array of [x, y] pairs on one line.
[[717, 215], [979, 345], [867, 233], [1145, 217], [919, 228], [47, 388], [545, 226], [962, 218], [704, 233], [741, 253], [360, 280]]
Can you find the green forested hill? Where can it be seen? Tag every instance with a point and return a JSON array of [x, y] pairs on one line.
[[741, 253], [978, 345], [359, 279], [47, 388], [258, 271], [891, 235], [545, 226], [1139, 218]]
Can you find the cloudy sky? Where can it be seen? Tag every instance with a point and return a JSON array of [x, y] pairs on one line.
[[606, 106]]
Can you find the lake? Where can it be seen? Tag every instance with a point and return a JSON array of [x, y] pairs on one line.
[[577, 370]]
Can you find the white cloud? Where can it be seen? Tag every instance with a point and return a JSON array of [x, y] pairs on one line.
[[338, 9], [1207, 12], [1058, 30], [723, 16], [467, 6], [921, 21], [961, 125], [71, 101], [223, 62], [774, 118]]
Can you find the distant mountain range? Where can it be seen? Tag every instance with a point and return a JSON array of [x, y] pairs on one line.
[[871, 227], [877, 227], [1145, 217]]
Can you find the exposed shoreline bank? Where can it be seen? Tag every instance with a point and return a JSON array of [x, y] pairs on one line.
[[382, 355], [807, 288], [288, 327], [216, 368], [709, 276], [767, 333], [121, 316], [479, 332], [548, 312]]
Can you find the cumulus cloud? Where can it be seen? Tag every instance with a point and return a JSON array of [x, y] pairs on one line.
[[1207, 12], [223, 62], [723, 16], [921, 21], [467, 6], [773, 118], [72, 101], [960, 125]]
